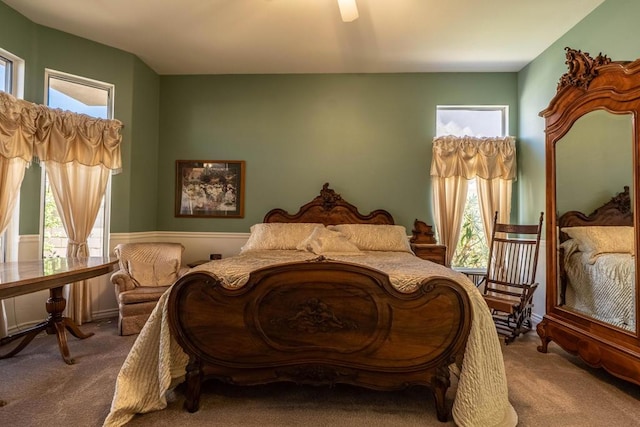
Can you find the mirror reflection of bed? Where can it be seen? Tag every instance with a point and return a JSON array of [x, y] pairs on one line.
[[594, 162], [597, 263]]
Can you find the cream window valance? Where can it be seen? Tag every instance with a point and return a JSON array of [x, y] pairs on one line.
[[29, 130], [469, 157]]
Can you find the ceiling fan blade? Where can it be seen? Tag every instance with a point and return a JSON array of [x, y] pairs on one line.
[[348, 10]]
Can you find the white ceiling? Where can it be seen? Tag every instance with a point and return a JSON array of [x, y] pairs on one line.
[[308, 36]]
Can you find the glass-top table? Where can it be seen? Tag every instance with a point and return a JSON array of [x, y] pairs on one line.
[[24, 277]]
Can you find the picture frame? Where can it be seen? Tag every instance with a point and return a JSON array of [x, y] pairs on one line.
[[209, 188]]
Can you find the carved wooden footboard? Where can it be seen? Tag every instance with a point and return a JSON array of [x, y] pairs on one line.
[[320, 322]]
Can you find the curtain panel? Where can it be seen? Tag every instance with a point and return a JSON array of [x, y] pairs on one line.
[[457, 159], [449, 196], [77, 149], [17, 127]]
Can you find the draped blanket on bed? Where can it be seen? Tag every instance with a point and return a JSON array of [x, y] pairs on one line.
[[602, 287], [156, 362]]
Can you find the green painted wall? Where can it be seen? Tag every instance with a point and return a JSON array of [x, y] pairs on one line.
[[612, 29], [139, 180], [368, 135], [136, 105], [17, 35]]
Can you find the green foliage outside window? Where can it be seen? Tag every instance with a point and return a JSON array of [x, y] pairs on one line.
[[53, 228], [472, 250]]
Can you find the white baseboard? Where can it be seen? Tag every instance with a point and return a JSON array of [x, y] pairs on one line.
[[96, 315], [14, 329], [105, 314], [536, 318]]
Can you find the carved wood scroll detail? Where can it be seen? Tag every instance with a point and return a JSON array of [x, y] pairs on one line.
[[422, 233], [329, 197], [317, 374], [315, 316], [621, 201], [582, 68]]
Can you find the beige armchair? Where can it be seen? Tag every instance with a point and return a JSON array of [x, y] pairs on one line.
[[147, 270]]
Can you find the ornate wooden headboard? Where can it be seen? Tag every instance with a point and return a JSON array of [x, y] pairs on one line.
[[329, 208], [616, 211]]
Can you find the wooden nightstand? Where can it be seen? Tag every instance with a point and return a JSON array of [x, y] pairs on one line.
[[430, 252], [424, 244], [202, 261]]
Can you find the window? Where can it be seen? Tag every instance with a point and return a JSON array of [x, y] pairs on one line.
[[11, 78], [478, 121], [5, 86], [5, 74], [95, 99], [11, 73]]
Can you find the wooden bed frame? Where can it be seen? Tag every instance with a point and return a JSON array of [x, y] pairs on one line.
[[616, 211], [321, 322]]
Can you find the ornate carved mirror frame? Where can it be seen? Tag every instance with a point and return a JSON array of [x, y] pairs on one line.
[[590, 84]]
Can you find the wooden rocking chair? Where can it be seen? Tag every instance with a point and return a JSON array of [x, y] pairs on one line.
[[511, 272]]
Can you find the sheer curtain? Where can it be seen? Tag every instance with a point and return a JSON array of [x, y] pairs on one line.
[[449, 196], [494, 195], [16, 141], [17, 130], [79, 152], [78, 190], [491, 161]]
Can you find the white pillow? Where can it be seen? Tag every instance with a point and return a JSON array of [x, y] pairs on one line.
[[278, 235], [603, 239], [323, 241], [376, 237]]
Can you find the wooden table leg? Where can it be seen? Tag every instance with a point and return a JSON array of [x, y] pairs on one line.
[[28, 334], [55, 324]]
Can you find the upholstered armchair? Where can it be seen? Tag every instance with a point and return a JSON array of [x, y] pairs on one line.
[[147, 270]]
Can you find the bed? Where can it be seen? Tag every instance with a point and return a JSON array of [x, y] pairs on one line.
[[323, 296], [597, 263]]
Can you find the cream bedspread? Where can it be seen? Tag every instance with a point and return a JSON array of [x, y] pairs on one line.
[[602, 287], [156, 362]]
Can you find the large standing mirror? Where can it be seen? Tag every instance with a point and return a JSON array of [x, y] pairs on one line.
[[592, 153], [594, 162]]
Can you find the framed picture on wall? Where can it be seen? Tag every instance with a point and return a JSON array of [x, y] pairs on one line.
[[209, 188]]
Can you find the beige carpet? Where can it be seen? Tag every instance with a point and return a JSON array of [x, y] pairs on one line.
[[554, 389]]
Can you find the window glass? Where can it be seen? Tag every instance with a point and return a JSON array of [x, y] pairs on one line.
[[471, 121], [74, 94], [95, 99], [4, 86], [479, 121], [5, 75]]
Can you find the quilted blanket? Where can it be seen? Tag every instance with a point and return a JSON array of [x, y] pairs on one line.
[[156, 363], [602, 287]]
